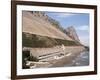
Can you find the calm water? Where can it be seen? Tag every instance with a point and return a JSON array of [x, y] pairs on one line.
[[81, 60]]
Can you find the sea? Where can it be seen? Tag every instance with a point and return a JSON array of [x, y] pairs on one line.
[[80, 60]]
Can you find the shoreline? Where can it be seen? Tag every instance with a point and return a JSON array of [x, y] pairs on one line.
[[67, 58]]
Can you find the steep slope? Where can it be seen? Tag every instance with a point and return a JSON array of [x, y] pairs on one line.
[[37, 24], [71, 32], [37, 41]]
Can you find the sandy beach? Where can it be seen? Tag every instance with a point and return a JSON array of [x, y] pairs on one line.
[[65, 60], [70, 54]]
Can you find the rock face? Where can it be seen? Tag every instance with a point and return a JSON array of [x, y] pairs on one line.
[[43, 16], [71, 32], [40, 24]]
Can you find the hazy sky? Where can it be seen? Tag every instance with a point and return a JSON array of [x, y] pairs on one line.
[[79, 21]]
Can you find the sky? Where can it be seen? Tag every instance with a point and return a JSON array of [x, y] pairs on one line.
[[80, 21]]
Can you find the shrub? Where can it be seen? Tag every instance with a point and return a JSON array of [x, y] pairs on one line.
[[32, 58], [43, 41]]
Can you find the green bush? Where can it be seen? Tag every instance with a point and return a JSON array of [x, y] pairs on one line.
[[43, 41], [25, 55], [32, 58]]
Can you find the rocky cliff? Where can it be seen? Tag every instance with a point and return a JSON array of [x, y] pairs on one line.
[[71, 32], [40, 24], [45, 29]]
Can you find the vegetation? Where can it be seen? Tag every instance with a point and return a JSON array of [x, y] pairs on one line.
[[26, 57], [43, 41], [33, 58]]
